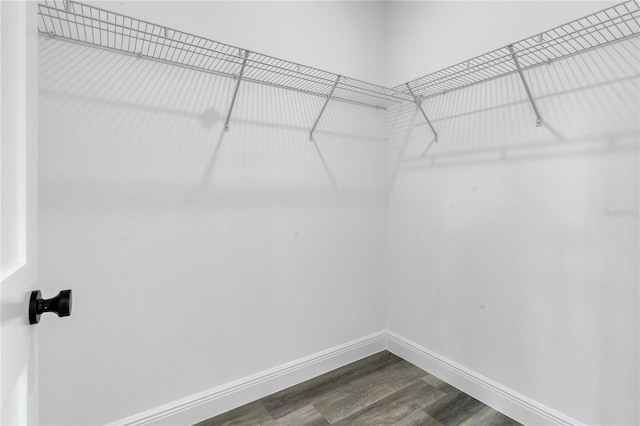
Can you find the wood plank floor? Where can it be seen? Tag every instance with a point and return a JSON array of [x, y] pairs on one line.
[[382, 389]]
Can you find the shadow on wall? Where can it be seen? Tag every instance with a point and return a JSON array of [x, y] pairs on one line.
[[137, 121], [588, 103]]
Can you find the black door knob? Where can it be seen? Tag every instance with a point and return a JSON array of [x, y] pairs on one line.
[[60, 304]]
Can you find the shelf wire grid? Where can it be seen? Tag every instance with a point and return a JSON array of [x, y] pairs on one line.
[[607, 26], [94, 26], [86, 24]]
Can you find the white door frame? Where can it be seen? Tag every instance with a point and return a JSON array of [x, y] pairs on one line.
[[18, 211]]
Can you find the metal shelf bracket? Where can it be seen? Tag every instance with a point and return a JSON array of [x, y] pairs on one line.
[[335, 83], [526, 85], [235, 91], [418, 101]]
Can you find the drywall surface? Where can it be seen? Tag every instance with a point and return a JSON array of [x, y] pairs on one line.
[[196, 257], [514, 249], [344, 37], [426, 36]]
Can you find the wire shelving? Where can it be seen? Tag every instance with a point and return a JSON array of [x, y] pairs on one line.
[[87, 24], [607, 26]]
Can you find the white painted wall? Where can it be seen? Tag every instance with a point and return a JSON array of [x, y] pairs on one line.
[[197, 259], [513, 251]]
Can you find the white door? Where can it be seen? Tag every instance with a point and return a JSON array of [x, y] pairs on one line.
[[18, 211]]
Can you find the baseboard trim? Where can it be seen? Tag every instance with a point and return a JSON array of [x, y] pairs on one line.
[[517, 406], [226, 397], [209, 403]]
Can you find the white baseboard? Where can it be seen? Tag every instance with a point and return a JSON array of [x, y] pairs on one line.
[[503, 399], [223, 398]]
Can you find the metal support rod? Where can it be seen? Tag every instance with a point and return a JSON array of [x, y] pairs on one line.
[[526, 87], [418, 103], [235, 92], [335, 83]]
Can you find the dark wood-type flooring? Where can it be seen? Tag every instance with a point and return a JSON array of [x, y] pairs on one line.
[[382, 389]]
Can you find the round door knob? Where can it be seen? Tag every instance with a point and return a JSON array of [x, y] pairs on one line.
[[60, 305]]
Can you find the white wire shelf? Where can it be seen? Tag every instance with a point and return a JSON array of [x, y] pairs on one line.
[[608, 26], [94, 26], [78, 22]]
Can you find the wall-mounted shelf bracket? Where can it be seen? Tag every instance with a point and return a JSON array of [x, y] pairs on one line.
[[418, 101], [526, 86], [244, 56], [335, 83]]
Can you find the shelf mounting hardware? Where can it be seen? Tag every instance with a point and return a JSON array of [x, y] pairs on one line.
[[418, 102], [526, 86], [335, 83], [235, 91]]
